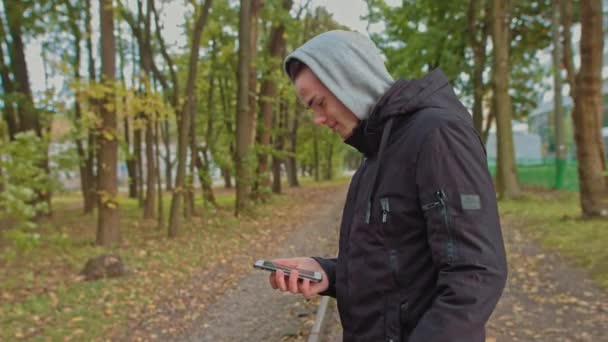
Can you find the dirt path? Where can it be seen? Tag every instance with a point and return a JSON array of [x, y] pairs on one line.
[[546, 299], [252, 311]]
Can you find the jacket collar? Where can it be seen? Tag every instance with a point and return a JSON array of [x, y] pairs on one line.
[[403, 98]]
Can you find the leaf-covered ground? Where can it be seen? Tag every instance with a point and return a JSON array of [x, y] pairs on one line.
[[201, 286], [43, 297]]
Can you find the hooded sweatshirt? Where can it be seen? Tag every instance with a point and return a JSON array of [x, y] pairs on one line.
[[349, 65]]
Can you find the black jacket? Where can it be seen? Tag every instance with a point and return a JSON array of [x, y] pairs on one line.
[[421, 254]]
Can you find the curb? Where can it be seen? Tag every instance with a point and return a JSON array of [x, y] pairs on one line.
[[317, 328]]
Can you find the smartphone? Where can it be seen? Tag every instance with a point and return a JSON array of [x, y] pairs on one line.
[[302, 274]]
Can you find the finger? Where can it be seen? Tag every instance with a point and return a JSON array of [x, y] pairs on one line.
[[273, 282], [280, 279], [293, 281], [305, 288]]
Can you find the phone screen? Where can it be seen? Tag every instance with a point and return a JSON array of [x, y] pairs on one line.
[[306, 273]]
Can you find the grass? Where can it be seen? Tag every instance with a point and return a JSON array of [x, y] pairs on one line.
[[42, 296], [554, 219]]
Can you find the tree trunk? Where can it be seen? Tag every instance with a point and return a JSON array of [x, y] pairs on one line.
[[139, 164], [506, 174], [478, 42], [108, 232], [329, 171], [558, 112], [489, 121], [8, 114], [131, 165], [227, 178], [184, 122], [92, 148], [159, 186], [566, 19], [203, 164], [254, 14], [150, 203], [587, 113], [85, 180], [291, 164], [268, 92], [28, 116], [279, 145], [243, 133], [167, 156]]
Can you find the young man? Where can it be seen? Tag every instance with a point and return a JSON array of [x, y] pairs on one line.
[[421, 254]]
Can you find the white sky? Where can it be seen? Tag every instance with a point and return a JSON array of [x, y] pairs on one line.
[[345, 12]]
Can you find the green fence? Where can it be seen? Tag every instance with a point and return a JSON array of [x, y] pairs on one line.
[[542, 174]]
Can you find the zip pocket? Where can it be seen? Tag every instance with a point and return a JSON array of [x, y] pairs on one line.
[[441, 202], [386, 208]]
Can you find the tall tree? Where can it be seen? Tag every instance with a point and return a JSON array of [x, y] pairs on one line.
[[74, 18], [184, 121], [587, 113], [478, 36], [243, 133], [558, 111], [290, 161], [28, 116], [8, 114], [90, 157], [506, 173], [268, 91], [108, 229]]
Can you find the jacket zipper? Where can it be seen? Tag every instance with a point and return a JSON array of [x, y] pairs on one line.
[[445, 213], [386, 208]]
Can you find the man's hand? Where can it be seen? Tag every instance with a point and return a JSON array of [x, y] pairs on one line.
[[295, 285]]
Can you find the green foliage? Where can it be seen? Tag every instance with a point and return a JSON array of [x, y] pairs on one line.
[[423, 35], [24, 180]]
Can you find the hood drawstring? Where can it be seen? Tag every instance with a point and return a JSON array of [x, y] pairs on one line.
[[386, 132]]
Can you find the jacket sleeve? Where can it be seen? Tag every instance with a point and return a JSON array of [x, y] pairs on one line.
[[329, 266], [458, 199]]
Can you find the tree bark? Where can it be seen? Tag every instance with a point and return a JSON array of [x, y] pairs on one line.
[[558, 112], [506, 174], [184, 122], [587, 114], [28, 116], [566, 19], [108, 231], [291, 164], [8, 114], [159, 186], [268, 92], [85, 179], [279, 145], [329, 154], [203, 164], [243, 126], [167, 156], [478, 42], [147, 61], [92, 148]]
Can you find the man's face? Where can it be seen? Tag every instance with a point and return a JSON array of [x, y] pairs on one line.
[[328, 110]]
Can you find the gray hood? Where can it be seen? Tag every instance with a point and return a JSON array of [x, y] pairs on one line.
[[349, 65]]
